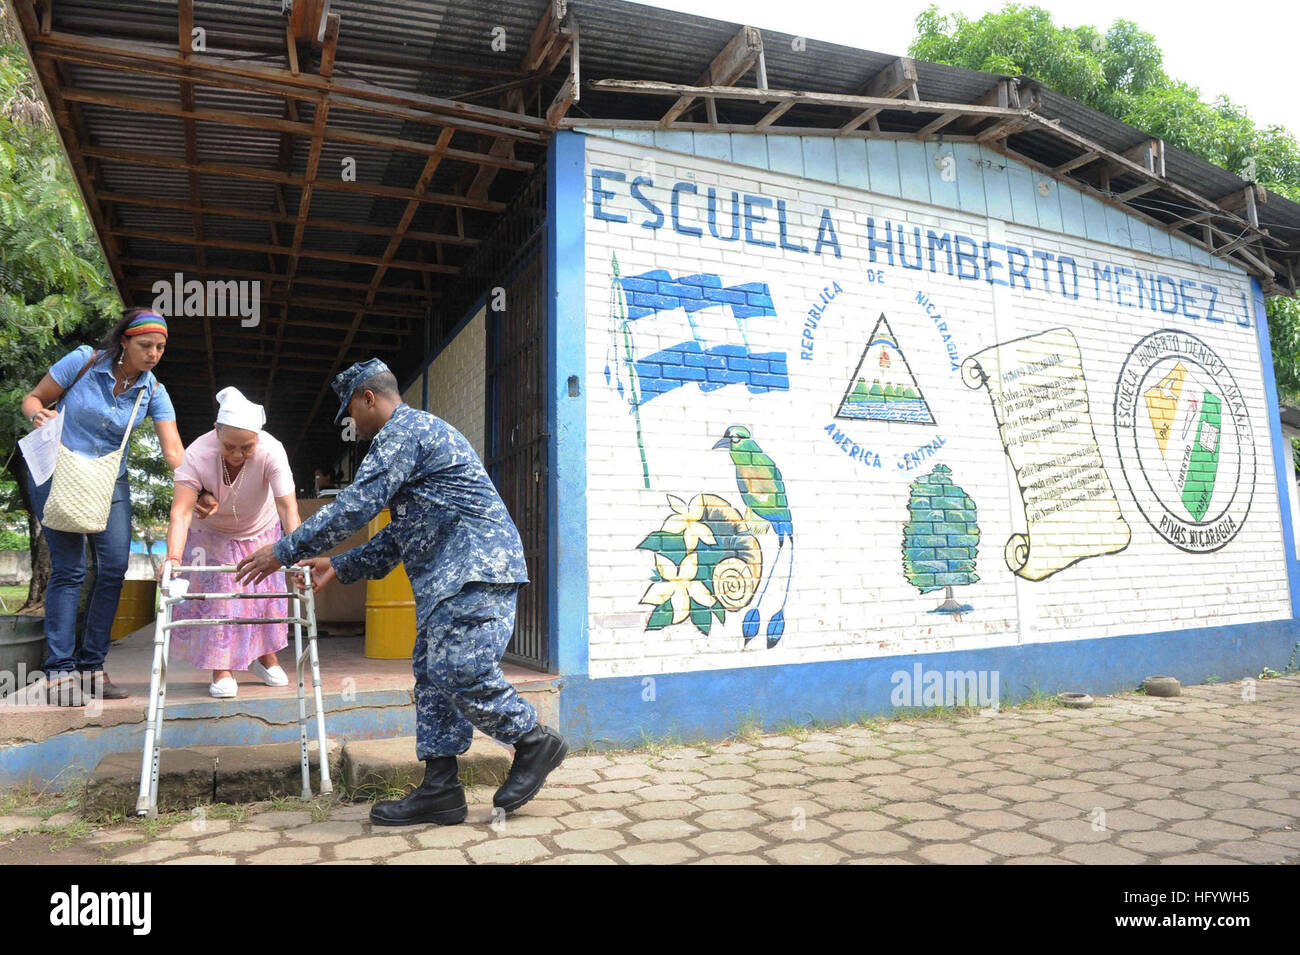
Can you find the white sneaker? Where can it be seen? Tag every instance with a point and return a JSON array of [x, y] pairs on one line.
[[224, 689], [271, 676]]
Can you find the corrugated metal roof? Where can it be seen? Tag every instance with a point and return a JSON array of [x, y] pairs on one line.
[[446, 49]]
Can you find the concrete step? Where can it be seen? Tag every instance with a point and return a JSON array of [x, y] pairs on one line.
[[57, 748], [383, 767], [199, 775]]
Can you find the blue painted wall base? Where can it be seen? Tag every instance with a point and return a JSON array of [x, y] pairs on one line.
[[61, 760], [711, 704]]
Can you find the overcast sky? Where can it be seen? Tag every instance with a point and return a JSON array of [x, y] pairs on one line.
[[1246, 49]]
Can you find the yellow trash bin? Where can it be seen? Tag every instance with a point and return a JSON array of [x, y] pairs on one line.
[[135, 609], [390, 609]]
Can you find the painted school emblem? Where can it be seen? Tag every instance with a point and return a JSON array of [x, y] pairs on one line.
[[1185, 441]]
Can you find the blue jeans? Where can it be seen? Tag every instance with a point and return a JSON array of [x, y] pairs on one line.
[[111, 551]]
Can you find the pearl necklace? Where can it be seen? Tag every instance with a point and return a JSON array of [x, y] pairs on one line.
[[234, 485]]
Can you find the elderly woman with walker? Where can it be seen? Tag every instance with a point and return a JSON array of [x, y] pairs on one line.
[[247, 470]]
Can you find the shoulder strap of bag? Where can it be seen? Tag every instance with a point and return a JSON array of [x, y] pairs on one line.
[[130, 422], [84, 368]]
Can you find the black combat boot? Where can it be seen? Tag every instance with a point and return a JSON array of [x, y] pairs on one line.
[[537, 752], [440, 798]]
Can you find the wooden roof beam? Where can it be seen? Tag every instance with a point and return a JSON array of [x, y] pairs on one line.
[[425, 177], [897, 80], [1004, 94], [1171, 228], [1246, 201], [258, 215], [746, 94], [222, 272], [1123, 162], [233, 73], [1136, 191], [284, 125], [571, 90], [329, 47], [308, 21], [932, 127], [141, 158], [1149, 154], [548, 42], [316, 304], [236, 245], [1003, 129], [1076, 163], [732, 62], [185, 42]]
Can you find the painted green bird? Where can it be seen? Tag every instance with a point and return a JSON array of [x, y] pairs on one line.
[[763, 492]]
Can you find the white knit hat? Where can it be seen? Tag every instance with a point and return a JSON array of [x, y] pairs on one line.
[[238, 412]]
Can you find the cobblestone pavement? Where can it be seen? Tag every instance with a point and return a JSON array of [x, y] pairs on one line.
[[1208, 777]]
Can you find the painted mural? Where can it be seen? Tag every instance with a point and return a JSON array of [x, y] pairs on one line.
[[763, 491], [704, 323], [941, 538], [1185, 440], [773, 348], [1040, 401], [883, 387], [708, 560], [707, 563]]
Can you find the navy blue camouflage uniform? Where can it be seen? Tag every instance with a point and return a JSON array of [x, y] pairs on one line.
[[465, 561]]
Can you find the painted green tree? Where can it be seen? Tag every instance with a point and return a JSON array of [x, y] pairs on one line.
[[941, 538], [1120, 72]]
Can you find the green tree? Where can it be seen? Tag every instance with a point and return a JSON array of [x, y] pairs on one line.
[[1120, 72], [55, 290], [151, 489]]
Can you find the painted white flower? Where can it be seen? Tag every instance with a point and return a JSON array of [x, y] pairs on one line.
[[687, 521], [678, 585]]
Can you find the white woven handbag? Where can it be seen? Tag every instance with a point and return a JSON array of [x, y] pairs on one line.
[[81, 491]]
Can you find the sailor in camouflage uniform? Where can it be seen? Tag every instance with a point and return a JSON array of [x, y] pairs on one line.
[[465, 561]]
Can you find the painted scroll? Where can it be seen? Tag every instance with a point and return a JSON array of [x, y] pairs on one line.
[[1040, 401]]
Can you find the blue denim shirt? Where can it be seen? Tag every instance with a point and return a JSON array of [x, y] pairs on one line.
[[94, 419], [448, 524]]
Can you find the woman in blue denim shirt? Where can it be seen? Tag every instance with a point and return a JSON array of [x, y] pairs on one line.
[[95, 409]]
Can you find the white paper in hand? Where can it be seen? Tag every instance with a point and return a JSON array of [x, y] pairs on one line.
[[41, 448], [179, 587]]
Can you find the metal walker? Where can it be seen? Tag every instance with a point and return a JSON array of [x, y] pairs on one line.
[[302, 609]]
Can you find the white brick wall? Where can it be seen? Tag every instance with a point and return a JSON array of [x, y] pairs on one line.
[[848, 595], [457, 382]]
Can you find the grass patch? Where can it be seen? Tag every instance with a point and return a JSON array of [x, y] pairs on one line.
[[749, 728], [11, 598]]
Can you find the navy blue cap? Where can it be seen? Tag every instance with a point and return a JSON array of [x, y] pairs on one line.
[[350, 378]]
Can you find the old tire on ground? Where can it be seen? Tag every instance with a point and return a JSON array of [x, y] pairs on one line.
[[1075, 701], [1161, 686]]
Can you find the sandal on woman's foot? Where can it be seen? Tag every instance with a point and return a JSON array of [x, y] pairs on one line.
[[271, 676], [224, 689]]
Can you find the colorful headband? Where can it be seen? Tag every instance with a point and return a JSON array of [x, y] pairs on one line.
[[146, 322]]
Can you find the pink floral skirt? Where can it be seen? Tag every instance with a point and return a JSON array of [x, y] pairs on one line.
[[229, 646]]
